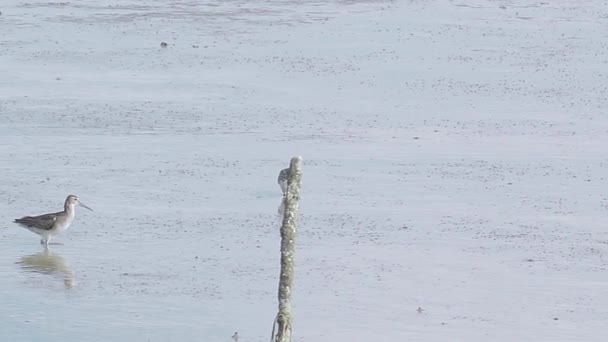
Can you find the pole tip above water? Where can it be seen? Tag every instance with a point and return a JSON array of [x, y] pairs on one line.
[[297, 160]]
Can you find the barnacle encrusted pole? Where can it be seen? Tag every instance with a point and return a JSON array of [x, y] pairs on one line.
[[284, 321]]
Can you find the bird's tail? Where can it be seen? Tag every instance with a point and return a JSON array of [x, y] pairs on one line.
[[23, 220]]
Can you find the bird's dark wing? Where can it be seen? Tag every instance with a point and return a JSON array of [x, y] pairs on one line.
[[283, 175], [45, 221]]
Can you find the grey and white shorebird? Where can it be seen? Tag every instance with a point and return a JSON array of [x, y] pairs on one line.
[[49, 225], [282, 180]]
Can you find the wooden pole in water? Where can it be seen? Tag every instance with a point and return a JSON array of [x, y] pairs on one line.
[[284, 321]]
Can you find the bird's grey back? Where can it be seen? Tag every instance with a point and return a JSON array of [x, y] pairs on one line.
[[283, 175], [46, 221]]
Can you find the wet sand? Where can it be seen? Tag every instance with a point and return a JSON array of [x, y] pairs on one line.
[[454, 162]]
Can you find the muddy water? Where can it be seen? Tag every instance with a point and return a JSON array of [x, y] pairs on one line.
[[453, 163]]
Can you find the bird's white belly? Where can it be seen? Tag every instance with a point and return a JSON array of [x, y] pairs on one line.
[[283, 185], [62, 226]]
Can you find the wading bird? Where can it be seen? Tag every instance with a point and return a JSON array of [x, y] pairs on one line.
[[282, 180], [49, 225]]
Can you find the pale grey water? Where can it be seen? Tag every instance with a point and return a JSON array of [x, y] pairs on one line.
[[454, 161]]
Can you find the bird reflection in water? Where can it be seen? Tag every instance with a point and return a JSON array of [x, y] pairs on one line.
[[46, 262]]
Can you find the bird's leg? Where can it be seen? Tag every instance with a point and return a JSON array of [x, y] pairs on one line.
[[46, 242], [42, 241]]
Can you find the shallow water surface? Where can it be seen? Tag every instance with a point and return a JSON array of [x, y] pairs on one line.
[[452, 184]]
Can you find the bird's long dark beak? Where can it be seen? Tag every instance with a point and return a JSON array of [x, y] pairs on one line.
[[85, 206]]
